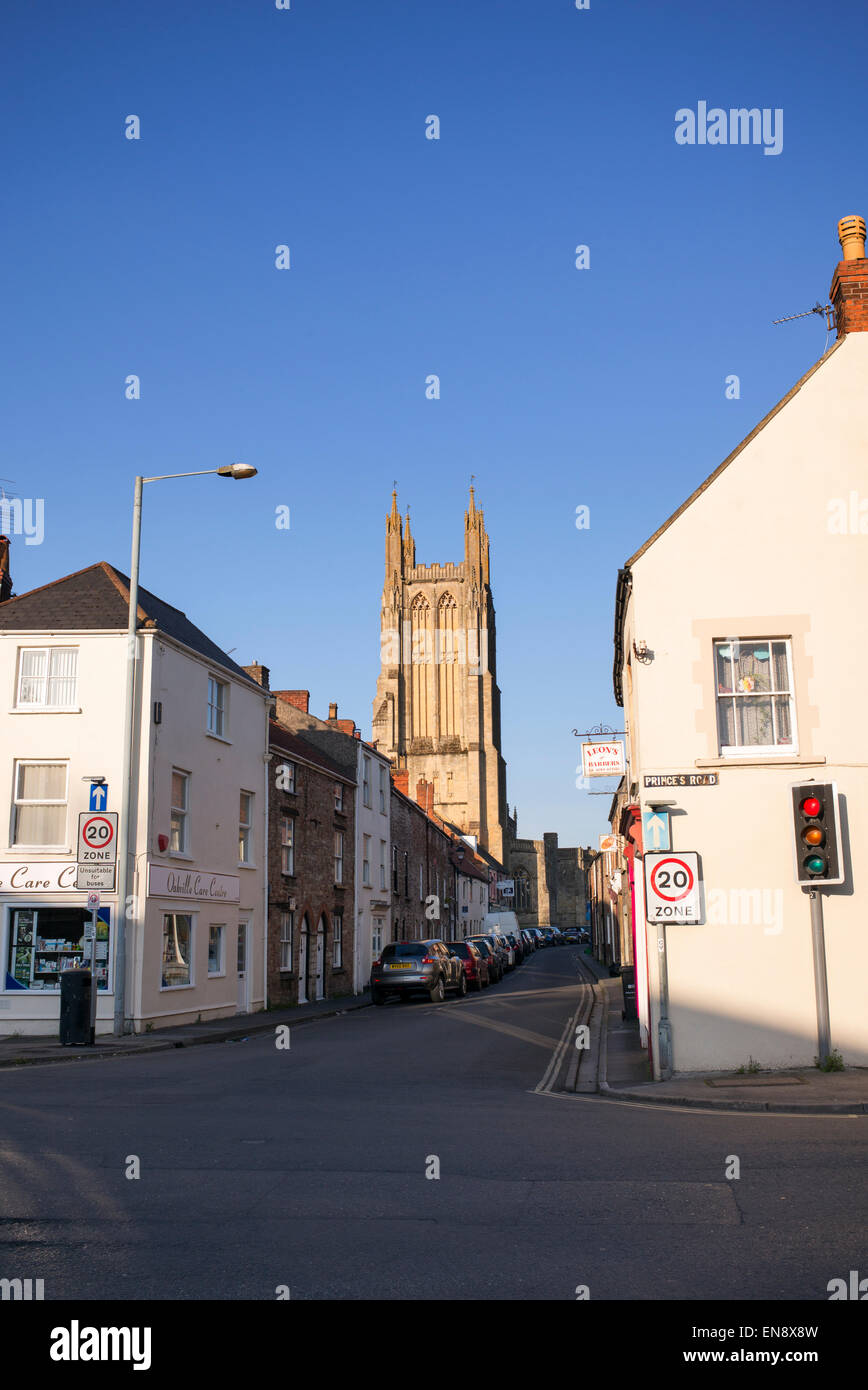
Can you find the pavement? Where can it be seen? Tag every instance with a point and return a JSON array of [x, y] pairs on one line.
[[615, 1066], [622, 1071], [35, 1051]]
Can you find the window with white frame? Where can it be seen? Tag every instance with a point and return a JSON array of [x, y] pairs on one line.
[[339, 856], [366, 860], [755, 702], [421, 882], [395, 868], [287, 844], [337, 940], [382, 790], [40, 803], [217, 701], [245, 828], [286, 779], [47, 677], [377, 936], [177, 952], [287, 928], [179, 839], [216, 945], [382, 863], [366, 781], [339, 796]]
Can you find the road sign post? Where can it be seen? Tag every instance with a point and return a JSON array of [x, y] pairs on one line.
[[90, 935]]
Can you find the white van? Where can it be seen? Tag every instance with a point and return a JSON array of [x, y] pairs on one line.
[[498, 924]]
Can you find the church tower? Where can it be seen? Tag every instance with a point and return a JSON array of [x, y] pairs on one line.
[[437, 709]]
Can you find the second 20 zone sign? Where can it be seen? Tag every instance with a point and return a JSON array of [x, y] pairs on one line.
[[672, 886]]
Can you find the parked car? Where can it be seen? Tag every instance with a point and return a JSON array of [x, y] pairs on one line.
[[517, 942], [528, 939], [538, 937], [476, 965], [492, 954], [413, 967], [571, 934], [558, 937]]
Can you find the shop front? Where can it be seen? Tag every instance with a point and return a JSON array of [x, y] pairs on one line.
[[42, 933]]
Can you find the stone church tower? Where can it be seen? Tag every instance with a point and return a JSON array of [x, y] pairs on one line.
[[437, 710]]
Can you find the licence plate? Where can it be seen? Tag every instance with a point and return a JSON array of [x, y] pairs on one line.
[[402, 965]]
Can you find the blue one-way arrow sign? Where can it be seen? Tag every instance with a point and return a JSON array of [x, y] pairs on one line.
[[99, 797], [655, 830]]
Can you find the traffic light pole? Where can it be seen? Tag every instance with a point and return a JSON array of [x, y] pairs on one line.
[[821, 988]]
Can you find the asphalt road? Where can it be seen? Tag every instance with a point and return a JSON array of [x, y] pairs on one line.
[[306, 1167]]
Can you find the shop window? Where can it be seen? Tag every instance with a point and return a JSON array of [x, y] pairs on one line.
[[177, 960], [45, 941], [216, 946]]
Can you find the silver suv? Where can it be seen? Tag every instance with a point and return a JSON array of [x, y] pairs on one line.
[[414, 967]]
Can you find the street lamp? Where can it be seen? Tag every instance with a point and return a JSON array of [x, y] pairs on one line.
[[239, 471]]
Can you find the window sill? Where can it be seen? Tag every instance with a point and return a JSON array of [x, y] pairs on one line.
[[761, 760], [214, 975], [245, 864], [45, 709], [30, 850], [170, 989], [179, 854], [218, 738]]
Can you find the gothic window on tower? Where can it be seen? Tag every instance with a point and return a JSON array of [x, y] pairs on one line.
[[447, 664], [420, 618]]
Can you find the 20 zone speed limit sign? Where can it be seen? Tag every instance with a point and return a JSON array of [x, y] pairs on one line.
[[672, 886]]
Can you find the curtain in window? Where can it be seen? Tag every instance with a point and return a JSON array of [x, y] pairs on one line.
[[61, 680], [32, 678]]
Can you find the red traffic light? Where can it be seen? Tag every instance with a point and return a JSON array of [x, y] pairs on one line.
[[810, 806]]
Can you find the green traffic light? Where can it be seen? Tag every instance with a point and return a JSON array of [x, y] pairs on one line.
[[815, 864]]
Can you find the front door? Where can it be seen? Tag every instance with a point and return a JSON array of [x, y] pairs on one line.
[[302, 963], [243, 973], [320, 958]]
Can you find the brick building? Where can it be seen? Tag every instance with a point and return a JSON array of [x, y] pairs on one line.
[[311, 927], [435, 873]]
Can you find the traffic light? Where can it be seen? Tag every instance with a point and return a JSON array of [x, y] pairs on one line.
[[817, 833]]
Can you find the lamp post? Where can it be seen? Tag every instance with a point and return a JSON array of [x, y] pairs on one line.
[[239, 471]]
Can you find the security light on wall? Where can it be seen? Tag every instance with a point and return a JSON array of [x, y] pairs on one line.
[[90, 778]]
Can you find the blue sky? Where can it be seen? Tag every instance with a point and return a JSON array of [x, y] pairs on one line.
[[559, 387]]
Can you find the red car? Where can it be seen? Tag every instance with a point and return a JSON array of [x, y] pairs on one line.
[[474, 962]]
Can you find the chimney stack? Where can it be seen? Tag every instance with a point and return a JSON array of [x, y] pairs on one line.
[[5, 576], [299, 699], [333, 710], [260, 674], [849, 292]]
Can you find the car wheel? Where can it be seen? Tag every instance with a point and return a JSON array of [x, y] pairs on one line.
[[478, 983], [438, 991], [377, 996], [462, 985]]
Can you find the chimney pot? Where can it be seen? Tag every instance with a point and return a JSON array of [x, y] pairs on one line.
[[851, 234]]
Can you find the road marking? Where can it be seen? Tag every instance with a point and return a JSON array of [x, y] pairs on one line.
[[554, 1066], [538, 1039]]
